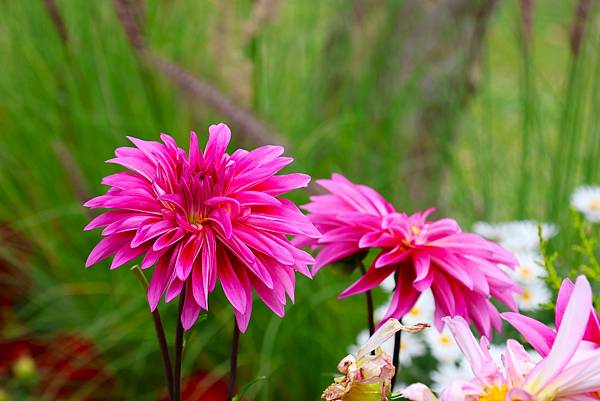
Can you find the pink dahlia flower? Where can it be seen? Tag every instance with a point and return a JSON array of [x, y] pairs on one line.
[[568, 372], [202, 216], [462, 269], [542, 337]]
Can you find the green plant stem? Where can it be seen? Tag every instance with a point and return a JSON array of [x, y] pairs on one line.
[[235, 342], [369, 298], [160, 335], [178, 349]]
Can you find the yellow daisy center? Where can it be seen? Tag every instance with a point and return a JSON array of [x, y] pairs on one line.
[[445, 340], [494, 393], [526, 295], [525, 271], [415, 312], [594, 204]]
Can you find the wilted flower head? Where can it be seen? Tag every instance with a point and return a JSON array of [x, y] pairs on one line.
[[460, 268], [587, 201], [202, 216], [569, 371], [368, 377]]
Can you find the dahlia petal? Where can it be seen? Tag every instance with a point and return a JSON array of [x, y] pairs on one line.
[[280, 184], [105, 219], [106, 247], [232, 286], [255, 198], [482, 365], [130, 223], [151, 257], [333, 253], [149, 231], [451, 266], [568, 337], [395, 256], [218, 138], [168, 239], [371, 279], [160, 278], [137, 165], [195, 155], [242, 318], [403, 299], [540, 336], [198, 292], [262, 243], [187, 256], [223, 222], [190, 311], [209, 260], [174, 289], [126, 254], [124, 180], [231, 204], [268, 296], [422, 262]]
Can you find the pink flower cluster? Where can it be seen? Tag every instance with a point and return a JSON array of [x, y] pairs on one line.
[[461, 269], [203, 216], [568, 371]]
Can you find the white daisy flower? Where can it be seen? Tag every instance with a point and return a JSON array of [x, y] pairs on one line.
[[442, 345], [411, 346], [529, 268], [446, 373], [516, 236], [423, 310], [534, 293], [586, 200]]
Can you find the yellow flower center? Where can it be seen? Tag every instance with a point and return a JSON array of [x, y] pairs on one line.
[[445, 340], [495, 393], [526, 295], [415, 312], [417, 230], [525, 271], [595, 204]]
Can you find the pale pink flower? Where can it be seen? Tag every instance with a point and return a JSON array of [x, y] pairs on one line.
[[462, 269], [541, 337], [202, 216], [569, 371]]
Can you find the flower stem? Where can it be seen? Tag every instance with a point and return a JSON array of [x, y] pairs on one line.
[[160, 335], [397, 341], [235, 341], [178, 349], [396, 357], [369, 298]]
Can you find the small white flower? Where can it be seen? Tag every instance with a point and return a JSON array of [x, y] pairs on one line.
[[534, 293], [529, 268], [446, 373], [586, 200], [516, 236], [442, 345]]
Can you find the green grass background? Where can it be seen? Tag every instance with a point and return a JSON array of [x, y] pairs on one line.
[[525, 139]]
